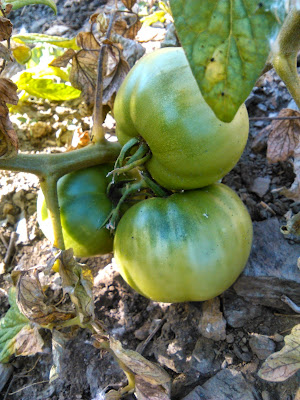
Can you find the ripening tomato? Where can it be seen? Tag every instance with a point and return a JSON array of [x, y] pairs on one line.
[[160, 102], [190, 246], [84, 206]]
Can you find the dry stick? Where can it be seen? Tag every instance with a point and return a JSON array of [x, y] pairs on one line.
[[271, 118], [290, 303], [97, 131], [10, 249], [141, 348], [3, 240]]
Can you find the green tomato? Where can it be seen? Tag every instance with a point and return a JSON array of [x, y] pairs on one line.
[[190, 246], [160, 101], [84, 206]]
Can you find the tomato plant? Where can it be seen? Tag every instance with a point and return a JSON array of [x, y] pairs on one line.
[[189, 246], [161, 102], [84, 206]]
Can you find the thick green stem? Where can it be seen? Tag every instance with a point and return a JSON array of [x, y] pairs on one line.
[[44, 165], [284, 53], [49, 188]]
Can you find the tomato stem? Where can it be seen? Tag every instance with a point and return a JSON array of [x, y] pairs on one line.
[[127, 146], [49, 188]]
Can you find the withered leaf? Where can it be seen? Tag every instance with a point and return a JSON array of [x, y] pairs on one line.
[[118, 76], [5, 28], [8, 91], [120, 26], [284, 136], [83, 75], [133, 29], [146, 391], [78, 282], [8, 8], [281, 365], [28, 341], [139, 365], [4, 52], [8, 136], [129, 3], [294, 191], [33, 303], [87, 41], [62, 61], [93, 18], [292, 225]]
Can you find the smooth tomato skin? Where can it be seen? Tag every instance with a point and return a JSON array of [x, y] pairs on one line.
[[191, 246], [84, 206], [160, 101]]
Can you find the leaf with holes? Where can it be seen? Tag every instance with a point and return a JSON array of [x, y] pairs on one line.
[[227, 43], [284, 136], [282, 365]]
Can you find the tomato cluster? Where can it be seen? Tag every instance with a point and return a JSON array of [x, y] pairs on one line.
[[192, 244]]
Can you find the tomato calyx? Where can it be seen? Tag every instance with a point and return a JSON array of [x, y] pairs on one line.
[[141, 154], [131, 190]]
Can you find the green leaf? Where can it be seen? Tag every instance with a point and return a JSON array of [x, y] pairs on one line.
[[22, 3], [46, 88], [227, 43], [10, 325], [33, 38]]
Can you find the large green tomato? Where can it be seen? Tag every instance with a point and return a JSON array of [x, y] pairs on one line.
[[160, 101], [84, 206], [190, 246]]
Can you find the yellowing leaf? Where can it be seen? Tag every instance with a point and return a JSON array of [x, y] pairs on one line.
[[227, 43], [22, 54], [46, 88], [282, 365], [22, 3], [155, 17], [33, 38]]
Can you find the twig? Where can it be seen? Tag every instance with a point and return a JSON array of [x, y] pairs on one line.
[[11, 248], [291, 304], [3, 240], [97, 131], [28, 386], [271, 118], [267, 207], [142, 346]]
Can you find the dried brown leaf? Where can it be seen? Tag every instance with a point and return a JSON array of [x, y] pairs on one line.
[[93, 18], [28, 341], [4, 52], [120, 26], [87, 41], [139, 365], [8, 136], [292, 225], [284, 136], [118, 76], [8, 91], [8, 8], [83, 74], [129, 3], [63, 60], [33, 302], [5, 28], [286, 362], [78, 282], [294, 191], [146, 391], [133, 29]]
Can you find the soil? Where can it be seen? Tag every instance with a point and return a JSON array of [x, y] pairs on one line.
[[190, 358]]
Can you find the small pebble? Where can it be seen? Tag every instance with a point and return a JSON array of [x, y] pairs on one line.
[[230, 338], [278, 338]]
